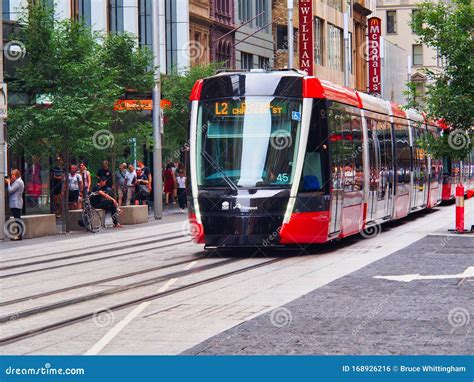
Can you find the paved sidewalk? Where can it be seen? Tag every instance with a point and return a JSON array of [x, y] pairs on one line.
[[170, 215], [429, 310]]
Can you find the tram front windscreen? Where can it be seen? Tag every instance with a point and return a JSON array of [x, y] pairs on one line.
[[248, 142]]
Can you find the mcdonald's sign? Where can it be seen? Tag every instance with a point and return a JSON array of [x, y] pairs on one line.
[[375, 80]]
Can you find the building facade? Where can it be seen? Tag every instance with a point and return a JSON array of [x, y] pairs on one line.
[[396, 16], [328, 39], [133, 16], [223, 32], [199, 32], [254, 34]]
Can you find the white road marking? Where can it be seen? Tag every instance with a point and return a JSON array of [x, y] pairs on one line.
[[112, 333], [469, 272]]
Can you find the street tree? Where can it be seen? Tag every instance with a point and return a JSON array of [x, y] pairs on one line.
[[176, 88], [447, 27], [72, 78]]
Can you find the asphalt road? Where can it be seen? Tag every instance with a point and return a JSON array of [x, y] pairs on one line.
[[360, 314]]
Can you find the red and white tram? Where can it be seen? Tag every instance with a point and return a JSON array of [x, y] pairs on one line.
[[281, 158]]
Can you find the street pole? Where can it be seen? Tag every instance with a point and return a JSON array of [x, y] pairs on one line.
[[346, 48], [156, 115], [291, 48], [2, 145]]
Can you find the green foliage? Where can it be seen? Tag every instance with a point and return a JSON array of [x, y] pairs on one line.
[[412, 95], [448, 28], [82, 74], [177, 88]]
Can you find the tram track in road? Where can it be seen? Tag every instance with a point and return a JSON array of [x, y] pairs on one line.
[[111, 291], [136, 250], [101, 281], [96, 249], [64, 323]]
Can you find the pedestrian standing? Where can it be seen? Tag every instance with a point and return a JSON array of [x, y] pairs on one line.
[[169, 183], [57, 177], [141, 191], [86, 179], [147, 172], [182, 197], [75, 187], [131, 176], [15, 197], [121, 182], [104, 172]]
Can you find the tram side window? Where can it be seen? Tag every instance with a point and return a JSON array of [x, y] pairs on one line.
[[374, 177], [348, 152], [402, 153], [335, 147], [313, 178], [358, 152]]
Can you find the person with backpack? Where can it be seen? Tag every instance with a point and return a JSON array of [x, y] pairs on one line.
[[75, 187]]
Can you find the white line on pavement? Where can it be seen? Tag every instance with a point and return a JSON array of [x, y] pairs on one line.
[[105, 340], [469, 272]]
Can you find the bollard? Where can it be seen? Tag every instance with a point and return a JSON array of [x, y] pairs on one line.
[[460, 208]]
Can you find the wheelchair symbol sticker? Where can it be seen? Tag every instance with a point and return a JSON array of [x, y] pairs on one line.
[[296, 116]]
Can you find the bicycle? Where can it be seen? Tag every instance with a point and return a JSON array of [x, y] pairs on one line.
[[90, 216]]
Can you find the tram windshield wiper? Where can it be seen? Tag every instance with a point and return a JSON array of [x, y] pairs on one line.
[[220, 170]]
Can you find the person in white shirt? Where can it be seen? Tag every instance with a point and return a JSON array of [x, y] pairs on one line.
[[131, 177], [182, 197]]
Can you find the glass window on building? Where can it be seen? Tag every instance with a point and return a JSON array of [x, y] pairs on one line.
[[263, 62], [81, 10], [350, 53], [6, 9], [349, 8], [262, 11], [318, 40], [282, 37], [335, 48], [144, 23], [417, 54], [247, 60], [115, 14], [337, 4], [245, 11], [391, 21]]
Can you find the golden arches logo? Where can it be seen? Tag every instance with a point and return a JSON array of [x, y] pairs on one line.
[[374, 21]]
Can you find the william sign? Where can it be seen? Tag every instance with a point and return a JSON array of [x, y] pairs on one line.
[[374, 56], [306, 36]]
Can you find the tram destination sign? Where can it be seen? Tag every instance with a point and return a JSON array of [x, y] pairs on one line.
[[305, 34], [375, 26], [235, 108]]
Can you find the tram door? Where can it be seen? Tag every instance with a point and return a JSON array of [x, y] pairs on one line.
[[420, 168], [335, 153], [381, 170]]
